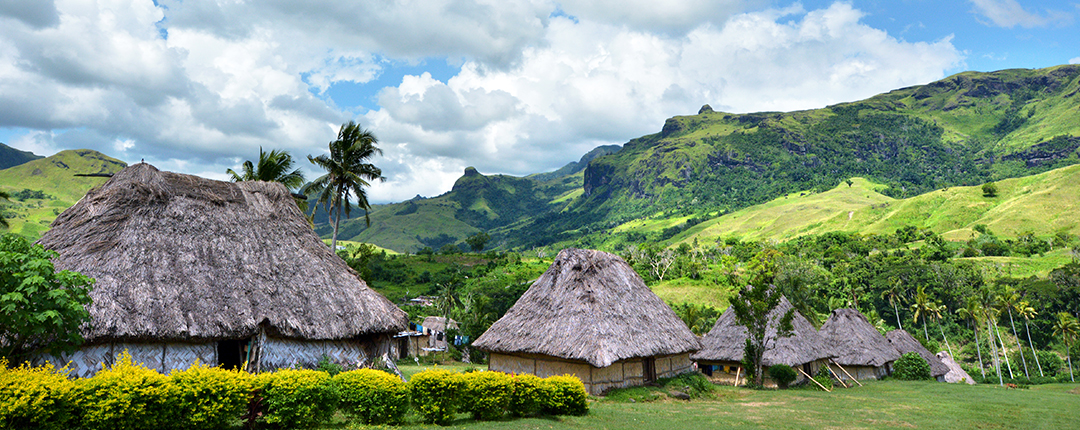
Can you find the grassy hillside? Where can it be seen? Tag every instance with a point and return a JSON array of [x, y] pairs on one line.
[[1044, 204], [57, 187], [10, 157]]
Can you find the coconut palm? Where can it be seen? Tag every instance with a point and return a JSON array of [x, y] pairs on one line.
[[347, 171], [971, 313], [1008, 299], [1027, 311], [894, 295], [273, 166], [922, 307], [1067, 328], [935, 311], [985, 299]]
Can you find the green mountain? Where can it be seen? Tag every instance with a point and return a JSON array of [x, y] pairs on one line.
[[10, 157], [42, 189]]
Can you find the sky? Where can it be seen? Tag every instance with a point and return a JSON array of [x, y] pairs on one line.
[[506, 86]]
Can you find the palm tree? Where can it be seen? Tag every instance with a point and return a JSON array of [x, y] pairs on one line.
[[985, 299], [1067, 327], [935, 311], [1008, 299], [1026, 311], [273, 166], [4, 196], [893, 294], [971, 313], [347, 171], [922, 307]]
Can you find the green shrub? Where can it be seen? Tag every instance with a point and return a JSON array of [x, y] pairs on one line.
[[782, 374], [295, 398], [126, 396], [486, 394], [435, 395], [209, 397], [824, 377], [911, 367], [373, 396], [527, 394], [566, 396], [331, 368], [1049, 361], [35, 397]]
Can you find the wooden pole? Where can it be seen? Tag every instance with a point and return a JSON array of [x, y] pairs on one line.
[[814, 380], [836, 376], [845, 372], [737, 371]]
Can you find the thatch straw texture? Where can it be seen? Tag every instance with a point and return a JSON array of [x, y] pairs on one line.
[[956, 373], [178, 257], [853, 341], [905, 343], [589, 306], [726, 340]]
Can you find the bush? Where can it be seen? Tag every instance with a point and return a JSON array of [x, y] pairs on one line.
[[35, 397], [331, 368], [527, 394], [126, 396], [435, 394], [824, 378], [373, 396], [566, 396], [1049, 362], [911, 367], [782, 374], [486, 394], [294, 398], [209, 397]]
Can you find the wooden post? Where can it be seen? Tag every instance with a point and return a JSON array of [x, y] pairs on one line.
[[845, 372], [737, 371], [813, 380], [836, 376]]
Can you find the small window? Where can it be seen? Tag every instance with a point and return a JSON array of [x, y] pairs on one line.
[[231, 353]]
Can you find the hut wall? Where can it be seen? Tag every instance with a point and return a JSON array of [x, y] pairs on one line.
[[597, 380], [277, 353], [163, 357], [861, 372]]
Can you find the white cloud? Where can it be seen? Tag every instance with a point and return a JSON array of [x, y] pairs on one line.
[[1009, 13], [1075, 60]]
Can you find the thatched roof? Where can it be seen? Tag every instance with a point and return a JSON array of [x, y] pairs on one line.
[[179, 257], [956, 373], [853, 341], [726, 340], [904, 343], [590, 306]]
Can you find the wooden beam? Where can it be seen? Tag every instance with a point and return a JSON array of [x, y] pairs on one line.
[[836, 376], [845, 372], [813, 380], [737, 371]]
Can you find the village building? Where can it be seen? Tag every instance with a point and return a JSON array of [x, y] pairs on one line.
[[905, 343], [722, 349], [856, 346], [592, 316], [188, 268]]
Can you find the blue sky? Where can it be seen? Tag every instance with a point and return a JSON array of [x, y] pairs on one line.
[[512, 87]]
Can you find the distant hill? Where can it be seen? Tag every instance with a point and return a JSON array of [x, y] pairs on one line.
[[51, 187], [576, 166], [10, 157]]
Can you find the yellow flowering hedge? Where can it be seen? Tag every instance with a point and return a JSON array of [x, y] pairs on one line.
[[35, 397], [566, 396], [210, 397], [126, 396], [295, 398], [486, 394], [435, 395], [372, 396]]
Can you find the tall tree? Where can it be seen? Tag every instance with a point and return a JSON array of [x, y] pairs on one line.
[[1009, 299], [347, 172], [753, 307], [894, 293], [922, 307], [273, 166], [1027, 311], [1067, 328], [971, 313], [985, 298]]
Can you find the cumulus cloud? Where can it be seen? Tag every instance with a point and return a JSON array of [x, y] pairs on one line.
[[1075, 60], [190, 87], [1009, 13]]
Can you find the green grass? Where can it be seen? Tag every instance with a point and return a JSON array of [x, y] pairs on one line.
[[878, 405], [700, 291]]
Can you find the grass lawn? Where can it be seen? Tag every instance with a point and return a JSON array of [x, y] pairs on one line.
[[878, 405]]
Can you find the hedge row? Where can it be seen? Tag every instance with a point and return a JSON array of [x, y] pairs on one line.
[[130, 396]]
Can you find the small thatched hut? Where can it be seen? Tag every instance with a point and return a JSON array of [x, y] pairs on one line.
[[228, 273], [592, 316], [905, 343], [722, 348], [857, 346], [956, 373]]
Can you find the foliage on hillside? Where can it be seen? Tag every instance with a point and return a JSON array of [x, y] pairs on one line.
[[10, 157]]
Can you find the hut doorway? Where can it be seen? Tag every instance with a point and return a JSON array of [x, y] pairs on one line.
[[230, 353], [648, 365]]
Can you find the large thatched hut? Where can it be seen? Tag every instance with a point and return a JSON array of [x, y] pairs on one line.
[[592, 316], [905, 343], [228, 273], [722, 348], [857, 346]]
